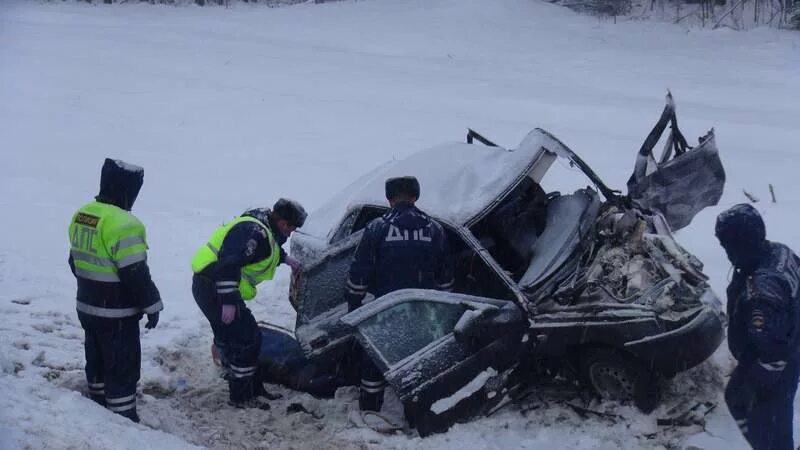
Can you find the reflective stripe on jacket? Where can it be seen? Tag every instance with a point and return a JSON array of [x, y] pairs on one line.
[[103, 240], [252, 274]]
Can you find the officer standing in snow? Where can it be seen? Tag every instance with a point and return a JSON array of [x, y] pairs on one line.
[[763, 331], [402, 249], [238, 256], [108, 256]]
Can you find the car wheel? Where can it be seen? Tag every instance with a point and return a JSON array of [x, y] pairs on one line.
[[615, 376]]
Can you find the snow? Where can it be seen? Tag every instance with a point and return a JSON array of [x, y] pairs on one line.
[[446, 403], [228, 109], [128, 167], [32, 411]]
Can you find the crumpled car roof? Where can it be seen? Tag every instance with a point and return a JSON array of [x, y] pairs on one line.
[[458, 181]]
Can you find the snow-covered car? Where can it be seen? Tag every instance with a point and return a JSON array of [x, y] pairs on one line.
[[588, 286]]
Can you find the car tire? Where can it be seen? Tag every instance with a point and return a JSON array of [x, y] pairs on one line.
[[615, 376]]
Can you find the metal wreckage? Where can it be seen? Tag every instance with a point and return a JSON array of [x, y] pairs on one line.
[[590, 287]]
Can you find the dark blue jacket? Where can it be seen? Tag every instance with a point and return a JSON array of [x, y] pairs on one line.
[[764, 311], [402, 249]]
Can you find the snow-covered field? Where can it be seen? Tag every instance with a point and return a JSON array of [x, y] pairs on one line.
[[232, 108]]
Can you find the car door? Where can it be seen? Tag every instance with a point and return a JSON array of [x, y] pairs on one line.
[[321, 287], [416, 338], [684, 180], [321, 303]]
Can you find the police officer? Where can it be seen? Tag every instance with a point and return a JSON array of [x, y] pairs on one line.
[[763, 331], [108, 256], [238, 256], [402, 249]]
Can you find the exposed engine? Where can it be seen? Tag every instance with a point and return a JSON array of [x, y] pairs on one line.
[[637, 261]]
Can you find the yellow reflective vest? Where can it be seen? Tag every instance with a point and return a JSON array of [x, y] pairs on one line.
[[103, 239], [252, 274]]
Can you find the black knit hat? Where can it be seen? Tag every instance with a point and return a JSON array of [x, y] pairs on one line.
[[291, 211], [408, 186], [741, 225]]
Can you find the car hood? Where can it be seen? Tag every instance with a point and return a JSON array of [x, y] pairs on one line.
[[459, 182]]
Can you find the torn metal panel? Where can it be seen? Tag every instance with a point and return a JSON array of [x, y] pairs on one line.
[[680, 187]]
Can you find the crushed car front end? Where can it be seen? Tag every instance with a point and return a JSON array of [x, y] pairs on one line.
[[628, 285], [690, 341]]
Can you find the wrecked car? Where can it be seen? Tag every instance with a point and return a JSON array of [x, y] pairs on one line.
[[589, 286]]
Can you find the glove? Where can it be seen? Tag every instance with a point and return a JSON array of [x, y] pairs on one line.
[[228, 313], [152, 321], [293, 263], [765, 378]]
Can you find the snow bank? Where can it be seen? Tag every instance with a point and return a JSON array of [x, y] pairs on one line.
[[41, 415]]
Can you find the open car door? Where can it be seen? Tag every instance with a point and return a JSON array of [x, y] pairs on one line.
[[684, 181], [449, 357], [320, 303]]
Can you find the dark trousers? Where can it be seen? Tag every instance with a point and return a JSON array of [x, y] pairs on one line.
[[113, 362], [763, 412], [239, 342], [372, 385]]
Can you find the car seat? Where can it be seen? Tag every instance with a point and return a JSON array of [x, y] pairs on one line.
[[569, 218]]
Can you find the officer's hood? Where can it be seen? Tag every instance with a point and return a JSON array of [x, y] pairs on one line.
[[742, 233], [120, 183]]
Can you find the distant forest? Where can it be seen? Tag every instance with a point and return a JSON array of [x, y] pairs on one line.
[[735, 14]]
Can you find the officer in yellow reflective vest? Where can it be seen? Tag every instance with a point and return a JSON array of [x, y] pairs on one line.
[[108, 256], [238, 256]]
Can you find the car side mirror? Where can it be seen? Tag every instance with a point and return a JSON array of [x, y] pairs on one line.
[[468, 328], [478, 328], [468, 320]]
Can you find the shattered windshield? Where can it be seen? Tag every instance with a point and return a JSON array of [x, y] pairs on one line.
[[404, 329]]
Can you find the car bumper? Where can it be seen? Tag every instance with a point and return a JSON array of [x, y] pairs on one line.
[[684, 347]]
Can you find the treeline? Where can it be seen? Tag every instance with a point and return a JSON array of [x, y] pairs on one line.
[[736, 14], [795, 18]]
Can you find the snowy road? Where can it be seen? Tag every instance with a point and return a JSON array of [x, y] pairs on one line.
[[232, 108]]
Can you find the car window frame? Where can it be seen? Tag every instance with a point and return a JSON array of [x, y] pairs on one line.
[[408, 295], [420, 350], [345, 226]]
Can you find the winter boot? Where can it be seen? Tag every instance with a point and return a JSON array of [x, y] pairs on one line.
[[370, 401], [99, 399], [130, 414]]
